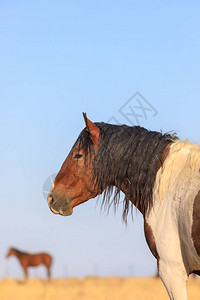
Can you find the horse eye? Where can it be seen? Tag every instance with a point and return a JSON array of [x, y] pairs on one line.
[[78, 155]]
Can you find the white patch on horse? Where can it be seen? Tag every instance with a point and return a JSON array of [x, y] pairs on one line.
[[176, 186]]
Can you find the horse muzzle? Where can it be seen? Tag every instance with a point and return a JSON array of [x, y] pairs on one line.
[[59, 204]]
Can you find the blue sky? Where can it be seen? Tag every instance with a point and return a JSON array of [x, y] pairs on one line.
[[57, 60]]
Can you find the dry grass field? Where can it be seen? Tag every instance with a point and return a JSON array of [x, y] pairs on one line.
[[90, 288]]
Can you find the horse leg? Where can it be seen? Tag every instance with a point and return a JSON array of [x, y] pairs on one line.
[[25, 271], [174, 278], [48, 273]]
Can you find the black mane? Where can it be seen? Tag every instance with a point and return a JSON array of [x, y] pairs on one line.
[[127, 158]]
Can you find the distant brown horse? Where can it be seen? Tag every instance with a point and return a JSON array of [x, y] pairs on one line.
[[31, 260]]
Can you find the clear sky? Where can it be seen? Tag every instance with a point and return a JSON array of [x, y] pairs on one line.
[[57, 60]]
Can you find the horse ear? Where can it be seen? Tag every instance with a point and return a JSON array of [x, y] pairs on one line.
[[92, 129]]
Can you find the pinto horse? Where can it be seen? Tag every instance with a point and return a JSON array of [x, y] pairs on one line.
[[158, 173], [31, 260]]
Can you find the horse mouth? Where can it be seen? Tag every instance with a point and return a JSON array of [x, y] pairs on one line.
[[61, 212], [67, 213], [59, 206]]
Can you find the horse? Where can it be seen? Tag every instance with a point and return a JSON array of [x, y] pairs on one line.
[[158, 173], [32, 260]]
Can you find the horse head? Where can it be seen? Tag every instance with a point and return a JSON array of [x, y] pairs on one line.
[[74, 183], [10, 252]]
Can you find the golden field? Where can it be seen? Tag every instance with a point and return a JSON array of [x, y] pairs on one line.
[[90, 288]]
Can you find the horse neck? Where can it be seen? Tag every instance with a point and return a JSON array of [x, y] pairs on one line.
[[18, 254], [134, 201], [125, 185], [160, 163]]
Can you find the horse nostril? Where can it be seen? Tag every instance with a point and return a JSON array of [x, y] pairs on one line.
[[50, 201]]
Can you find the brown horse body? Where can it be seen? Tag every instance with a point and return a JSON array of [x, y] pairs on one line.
[[32, 260]]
